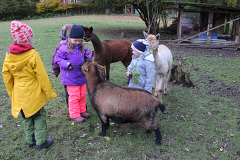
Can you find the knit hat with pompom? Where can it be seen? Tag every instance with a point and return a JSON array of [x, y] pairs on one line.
[[21, 32]]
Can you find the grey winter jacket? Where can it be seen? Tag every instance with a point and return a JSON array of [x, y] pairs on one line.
[[146, 68]]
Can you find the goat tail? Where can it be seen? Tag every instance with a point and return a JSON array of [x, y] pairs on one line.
[[162, 108]]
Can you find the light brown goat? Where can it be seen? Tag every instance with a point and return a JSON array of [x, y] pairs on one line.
[[120, 104]]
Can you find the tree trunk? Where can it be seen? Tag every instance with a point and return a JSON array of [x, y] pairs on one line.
[[150, 12]]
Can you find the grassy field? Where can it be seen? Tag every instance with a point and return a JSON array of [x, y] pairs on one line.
[[199, 124]]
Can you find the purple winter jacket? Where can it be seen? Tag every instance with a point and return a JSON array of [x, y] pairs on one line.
[[72, 77]]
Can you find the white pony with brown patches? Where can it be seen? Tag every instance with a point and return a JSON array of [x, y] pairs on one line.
[[163, 62]]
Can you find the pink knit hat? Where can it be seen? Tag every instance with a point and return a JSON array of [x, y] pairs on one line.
[[21, 32]]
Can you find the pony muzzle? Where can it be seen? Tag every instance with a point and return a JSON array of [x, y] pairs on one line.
[[87, 39]]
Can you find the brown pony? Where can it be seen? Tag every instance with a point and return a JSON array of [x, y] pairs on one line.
[[65, 30], [109, 51]]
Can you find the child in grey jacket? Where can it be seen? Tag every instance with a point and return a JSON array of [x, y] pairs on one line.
[[142, 68]]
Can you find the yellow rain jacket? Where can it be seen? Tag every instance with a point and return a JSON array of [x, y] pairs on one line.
[[27, 82]]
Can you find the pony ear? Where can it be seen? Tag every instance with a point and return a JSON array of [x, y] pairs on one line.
[[145, 34], [83, 27], [91, 29], [158, 36]]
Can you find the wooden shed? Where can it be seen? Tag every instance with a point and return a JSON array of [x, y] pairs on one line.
[[211, 18]]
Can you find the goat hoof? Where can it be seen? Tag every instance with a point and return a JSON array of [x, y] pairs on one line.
[[148, 131], [102, 134], [158, 142]]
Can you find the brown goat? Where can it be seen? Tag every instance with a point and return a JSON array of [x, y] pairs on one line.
[[120, 104], [109, 51]]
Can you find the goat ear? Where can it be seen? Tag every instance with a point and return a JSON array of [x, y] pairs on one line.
[[158, 36], [145, 34]]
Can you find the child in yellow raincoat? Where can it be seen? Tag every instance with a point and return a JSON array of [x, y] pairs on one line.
[[28, 85]]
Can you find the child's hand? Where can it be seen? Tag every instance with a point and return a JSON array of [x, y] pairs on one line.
[[129, 74], [70, 66], [55, 76], [91, 54]]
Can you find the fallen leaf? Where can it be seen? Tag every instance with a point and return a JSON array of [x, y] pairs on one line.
[[90, 138], [72, 123], [221, 149], [231, 135], [107, 138], [83, 135], [213, 155]]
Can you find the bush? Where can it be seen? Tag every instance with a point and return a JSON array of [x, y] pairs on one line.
[[56, 6], [15, 9]]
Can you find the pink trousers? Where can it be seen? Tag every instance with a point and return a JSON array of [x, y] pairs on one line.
[[76, 100]]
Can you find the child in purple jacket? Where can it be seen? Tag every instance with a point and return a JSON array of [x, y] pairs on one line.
[[69, 57], [55, 67]]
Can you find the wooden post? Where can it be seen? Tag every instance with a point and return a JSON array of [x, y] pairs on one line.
[[227, 25], [237, 40], [210, 23], [128, 9], [180, 15]]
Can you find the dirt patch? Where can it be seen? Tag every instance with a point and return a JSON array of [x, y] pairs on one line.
[[131, 34], [181, 51]]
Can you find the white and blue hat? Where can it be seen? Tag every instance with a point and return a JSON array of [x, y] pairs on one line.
[[141, 46]]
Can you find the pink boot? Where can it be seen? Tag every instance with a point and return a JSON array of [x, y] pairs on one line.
[[79, 119], [85, 115]]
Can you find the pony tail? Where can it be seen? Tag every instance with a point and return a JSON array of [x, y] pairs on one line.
[[70, 46]]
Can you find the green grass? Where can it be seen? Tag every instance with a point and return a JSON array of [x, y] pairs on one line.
[[199, 123]]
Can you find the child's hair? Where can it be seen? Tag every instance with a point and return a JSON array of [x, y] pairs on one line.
[[70, 46]]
